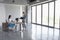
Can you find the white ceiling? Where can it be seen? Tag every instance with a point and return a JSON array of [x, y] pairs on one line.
[[21, 2]]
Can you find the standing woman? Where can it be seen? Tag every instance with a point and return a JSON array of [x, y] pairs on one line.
[[23, 20]]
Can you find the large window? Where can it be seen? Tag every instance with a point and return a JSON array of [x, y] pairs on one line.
[[57, 12], [51, 14], [45, 14], [34, 14], [39, 14]]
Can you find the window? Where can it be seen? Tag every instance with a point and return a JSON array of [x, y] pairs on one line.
[[51, 14], [34, 14], [39, 14], [57, 12], [45, 14], [48, 14]]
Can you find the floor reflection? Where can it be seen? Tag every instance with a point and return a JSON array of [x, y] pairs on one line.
[[44, 33], [34, 32]]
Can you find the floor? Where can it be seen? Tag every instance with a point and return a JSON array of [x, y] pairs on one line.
[[32, 32]]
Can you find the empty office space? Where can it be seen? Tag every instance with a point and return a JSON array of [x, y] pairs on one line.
[[29, 19]]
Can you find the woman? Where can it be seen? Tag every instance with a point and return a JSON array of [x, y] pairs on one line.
[[23, 20], [10, 23]]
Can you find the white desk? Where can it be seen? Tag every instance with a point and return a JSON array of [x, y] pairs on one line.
[[18, 26]]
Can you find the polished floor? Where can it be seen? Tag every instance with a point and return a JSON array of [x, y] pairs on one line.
[[32, 32]]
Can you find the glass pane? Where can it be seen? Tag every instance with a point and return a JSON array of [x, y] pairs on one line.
[[57, 12], [34, 14], [51, 13], [45, 14], [39, 14]]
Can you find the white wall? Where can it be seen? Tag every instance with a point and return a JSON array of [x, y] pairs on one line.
[[2, 13], [13, 10], [29, 14], [22, 9]]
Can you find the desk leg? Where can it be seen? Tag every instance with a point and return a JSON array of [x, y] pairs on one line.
[[20, 27]]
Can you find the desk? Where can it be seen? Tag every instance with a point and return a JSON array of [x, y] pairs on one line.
[[18, 26], [5, 26]]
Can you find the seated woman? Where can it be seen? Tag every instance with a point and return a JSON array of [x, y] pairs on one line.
[[11, 24]]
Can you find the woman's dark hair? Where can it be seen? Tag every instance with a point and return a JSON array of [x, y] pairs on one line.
[[9, 16], [23, 12], [16, 19]]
